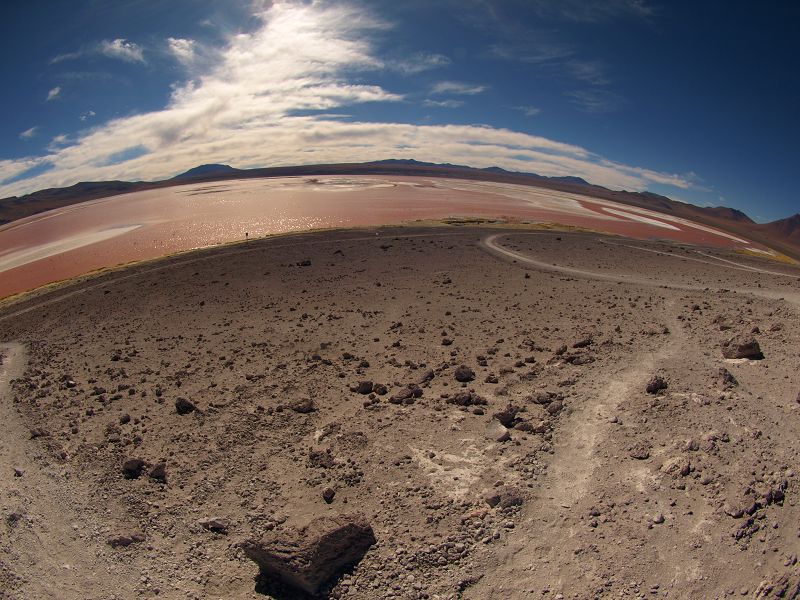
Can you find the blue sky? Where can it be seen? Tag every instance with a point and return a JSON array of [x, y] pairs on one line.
[[695, 100]]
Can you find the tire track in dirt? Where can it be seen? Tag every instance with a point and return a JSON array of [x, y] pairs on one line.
[[491, 245], [46, 536]]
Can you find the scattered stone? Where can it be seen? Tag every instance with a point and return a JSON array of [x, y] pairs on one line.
[[640, 452], [464, 374], [18, 472], [308, 558], [183, 406], [497, 432], [742, 347], [656, 384], [726, 379], [328, 494], [39, 433], [321, 459], [785, 586]]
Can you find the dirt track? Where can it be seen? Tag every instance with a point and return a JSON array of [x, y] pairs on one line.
[[605, 490]]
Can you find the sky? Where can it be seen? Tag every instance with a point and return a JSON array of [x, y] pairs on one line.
[[696, 100]]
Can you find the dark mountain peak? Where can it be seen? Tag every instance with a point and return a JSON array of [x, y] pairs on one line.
[[725, 212], [208, 170], [789, 227]]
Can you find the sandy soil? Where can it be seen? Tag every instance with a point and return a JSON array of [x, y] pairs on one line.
[[598, 489]]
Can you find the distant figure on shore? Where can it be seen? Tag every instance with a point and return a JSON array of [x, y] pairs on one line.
[[246, 234]]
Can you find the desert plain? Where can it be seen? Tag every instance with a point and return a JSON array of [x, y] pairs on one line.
[[511, 412]]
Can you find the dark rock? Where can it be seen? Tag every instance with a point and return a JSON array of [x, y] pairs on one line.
[[742, 347], [464, 374], [504, 497], [544, 397], [159, 472], [308, 558], [555, 407], [304, 263], [328, 494], [364, 387], [302, 405], [656, 384], [407, 395], [380, 389], [427, 376], [123, 540], [507, 416], [587, 341], [132, 468], [215, 525], [184, 407], [466, 398]]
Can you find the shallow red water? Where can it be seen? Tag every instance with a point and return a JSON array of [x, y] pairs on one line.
[[75, 240]]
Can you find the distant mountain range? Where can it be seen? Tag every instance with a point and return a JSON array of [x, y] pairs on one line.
[[782, 235]]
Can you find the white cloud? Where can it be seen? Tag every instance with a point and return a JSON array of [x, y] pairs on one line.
[[122, 49], [58, 142], [53, 94], [419, 62], [456, 87], [29, 133], [87, 115], [182, 49], [595, 101], [528, 111], [119, 48], [443, 103], [246, 108]]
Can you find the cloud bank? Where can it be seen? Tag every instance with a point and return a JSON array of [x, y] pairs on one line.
[[250, 108]]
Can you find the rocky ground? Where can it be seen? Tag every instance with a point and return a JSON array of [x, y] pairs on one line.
[[509, 414]]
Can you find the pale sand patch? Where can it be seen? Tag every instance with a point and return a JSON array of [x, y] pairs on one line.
[[14, 259], [640, 218]]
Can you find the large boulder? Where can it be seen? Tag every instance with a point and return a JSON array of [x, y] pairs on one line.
[[742, 347], [308, 558]]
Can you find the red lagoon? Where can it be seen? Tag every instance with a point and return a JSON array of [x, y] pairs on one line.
[[75, 240]]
